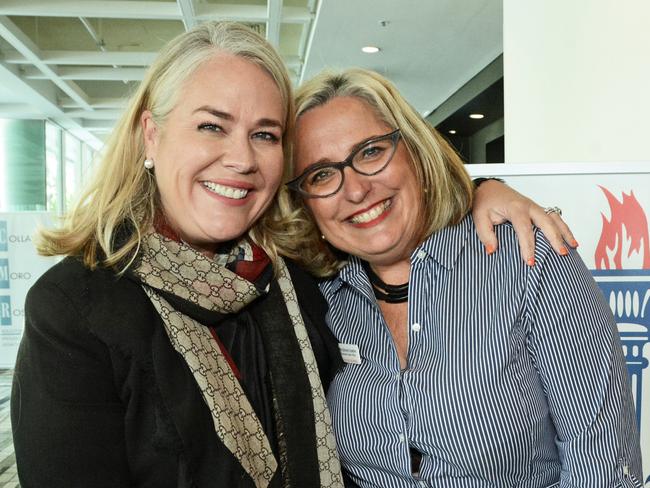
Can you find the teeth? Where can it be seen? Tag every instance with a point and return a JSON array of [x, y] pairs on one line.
[[371, 214], [226, 191]]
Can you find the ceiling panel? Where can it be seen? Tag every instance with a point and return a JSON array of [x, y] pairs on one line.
[[74, 61], [429, 48]]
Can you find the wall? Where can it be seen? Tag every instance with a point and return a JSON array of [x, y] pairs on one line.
[[577, 80]]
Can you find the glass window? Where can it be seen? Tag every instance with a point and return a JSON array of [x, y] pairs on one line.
[[87, 160], [22, 165], [53, 168], [72, 158], [3, 164]]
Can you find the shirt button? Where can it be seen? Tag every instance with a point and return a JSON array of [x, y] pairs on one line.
[[402, 438], [421, 254], [415, 327], [422, 484]]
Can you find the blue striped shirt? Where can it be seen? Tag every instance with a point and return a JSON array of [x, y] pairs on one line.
[[515, 375]]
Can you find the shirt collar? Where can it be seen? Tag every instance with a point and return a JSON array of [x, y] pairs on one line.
[[443, 246], [352, 274]]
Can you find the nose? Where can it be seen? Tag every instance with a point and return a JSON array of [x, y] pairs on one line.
[[355, 186], [240, 154]]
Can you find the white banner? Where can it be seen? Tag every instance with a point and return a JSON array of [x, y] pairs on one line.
[[20, 267], [607, 207]]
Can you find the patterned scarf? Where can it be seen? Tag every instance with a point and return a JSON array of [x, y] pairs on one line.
[[169, 267]]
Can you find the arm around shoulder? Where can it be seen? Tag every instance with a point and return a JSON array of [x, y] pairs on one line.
[[67, 419]]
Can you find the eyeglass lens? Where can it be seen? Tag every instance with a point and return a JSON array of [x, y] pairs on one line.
[[367, 160]]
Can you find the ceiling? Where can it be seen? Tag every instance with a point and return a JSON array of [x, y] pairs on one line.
[[75, 61]]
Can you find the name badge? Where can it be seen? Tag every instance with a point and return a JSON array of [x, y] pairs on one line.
[[350, 353]]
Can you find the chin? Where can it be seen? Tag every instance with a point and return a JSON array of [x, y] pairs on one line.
[[220, 237], [209, 238]]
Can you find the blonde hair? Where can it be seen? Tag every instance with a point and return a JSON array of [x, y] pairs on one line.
[[118, 206], [447, 188]]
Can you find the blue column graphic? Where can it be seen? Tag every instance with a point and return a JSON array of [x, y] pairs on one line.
[[628, 294]]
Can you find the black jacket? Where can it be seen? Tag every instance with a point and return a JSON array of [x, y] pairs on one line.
[[101, 398]]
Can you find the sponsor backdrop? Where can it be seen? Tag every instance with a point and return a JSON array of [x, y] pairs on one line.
[[607, 207], [20, 267]]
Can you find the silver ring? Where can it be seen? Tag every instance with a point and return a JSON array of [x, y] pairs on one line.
[[550, 210]]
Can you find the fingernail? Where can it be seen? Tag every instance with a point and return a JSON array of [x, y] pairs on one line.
[[531, 262], [564, 251], [489, 249], [574, 243]]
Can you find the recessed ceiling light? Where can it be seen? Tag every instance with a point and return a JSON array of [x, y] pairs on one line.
[[452, 131], [370, 49], [476, 116]]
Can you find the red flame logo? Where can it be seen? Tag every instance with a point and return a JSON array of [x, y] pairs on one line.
[[627, 226]]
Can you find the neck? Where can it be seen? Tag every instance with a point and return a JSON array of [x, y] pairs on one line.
[[385, 291], [393, 273], [164, 227]]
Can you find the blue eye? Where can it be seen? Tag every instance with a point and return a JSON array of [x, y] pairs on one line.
[[372, 151], [321, 176]]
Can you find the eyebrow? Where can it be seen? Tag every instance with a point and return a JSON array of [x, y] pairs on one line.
[[354, 148], [265, 122]]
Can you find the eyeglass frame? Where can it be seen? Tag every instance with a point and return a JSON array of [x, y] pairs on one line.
[[294, 184]]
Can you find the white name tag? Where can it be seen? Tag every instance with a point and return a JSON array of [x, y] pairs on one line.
[[350, 353]]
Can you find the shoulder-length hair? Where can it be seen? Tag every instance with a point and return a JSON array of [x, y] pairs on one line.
[[118, 206], [447, 190]]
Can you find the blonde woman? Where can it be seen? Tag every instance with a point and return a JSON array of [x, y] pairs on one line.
[[169, 348], [461, 365]]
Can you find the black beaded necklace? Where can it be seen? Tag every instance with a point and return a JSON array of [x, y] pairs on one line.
[[385, 292]]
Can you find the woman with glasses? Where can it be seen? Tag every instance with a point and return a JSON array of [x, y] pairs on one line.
[[464, 368]]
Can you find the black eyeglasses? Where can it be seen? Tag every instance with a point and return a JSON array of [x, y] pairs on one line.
[[368, 158]]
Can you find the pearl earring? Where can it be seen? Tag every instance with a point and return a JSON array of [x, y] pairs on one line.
[[148, 163]]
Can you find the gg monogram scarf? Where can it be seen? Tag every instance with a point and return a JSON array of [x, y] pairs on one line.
[[168, 268]]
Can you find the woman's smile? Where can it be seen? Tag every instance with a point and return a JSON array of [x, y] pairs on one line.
[[373, 215], [226, 191]]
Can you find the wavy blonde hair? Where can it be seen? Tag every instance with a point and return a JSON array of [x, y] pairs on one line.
[[118, 206], [447, 188]]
